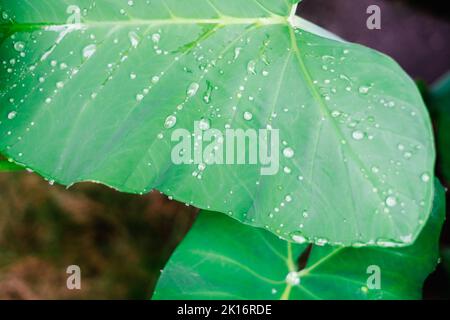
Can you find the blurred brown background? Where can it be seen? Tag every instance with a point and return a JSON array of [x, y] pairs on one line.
[[121, 241]]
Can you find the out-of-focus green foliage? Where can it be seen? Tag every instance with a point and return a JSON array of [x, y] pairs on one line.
[[438, 100], [240, 262]]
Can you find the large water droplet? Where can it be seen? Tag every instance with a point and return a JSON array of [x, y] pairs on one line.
[[89, 51], [204, 124], [12, 115], [170, 122], [288, 152], [364, 89], [425, 177], [156, 37], [357, 135], [134, 39], [237, 52], [293, 278], [251, 67], [248, 115], [19, 46], [299, 239], [391, 201], [192, 89]]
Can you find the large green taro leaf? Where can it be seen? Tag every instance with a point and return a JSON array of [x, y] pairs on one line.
[[222, 259], [99, 100]]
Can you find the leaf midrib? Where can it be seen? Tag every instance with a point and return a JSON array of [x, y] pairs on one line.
[[273, 20]]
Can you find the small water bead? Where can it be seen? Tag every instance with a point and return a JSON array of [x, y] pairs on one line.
[[192, 89], [89, 51], [60, 84], [12, 115], [288, 198], [155, 79], [357, 135], [133, 76], [237, 52], [265, 73], [170, 122], [407, 155], [251, 67], [391, 201], [364, 89], [156, 37], [299, 239], [204, 124], [335, 113], [288, 152], [134, 39], [293, 278], [425, 177], [321, 242], [248, 115], [287, 170], [139, 97], [19, 46]]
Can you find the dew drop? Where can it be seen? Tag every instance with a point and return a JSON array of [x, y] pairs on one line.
[[364, 89], [248, 115], [12, 115], [288, 152], [251, 67], [357, 135], [156, 37], [293, 278], [134, 39], [299, 239], [391, 201], [425, 177], [89, 51], [192, 89], [204, 124], [19, 46], [237, 52], [170, 122]]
